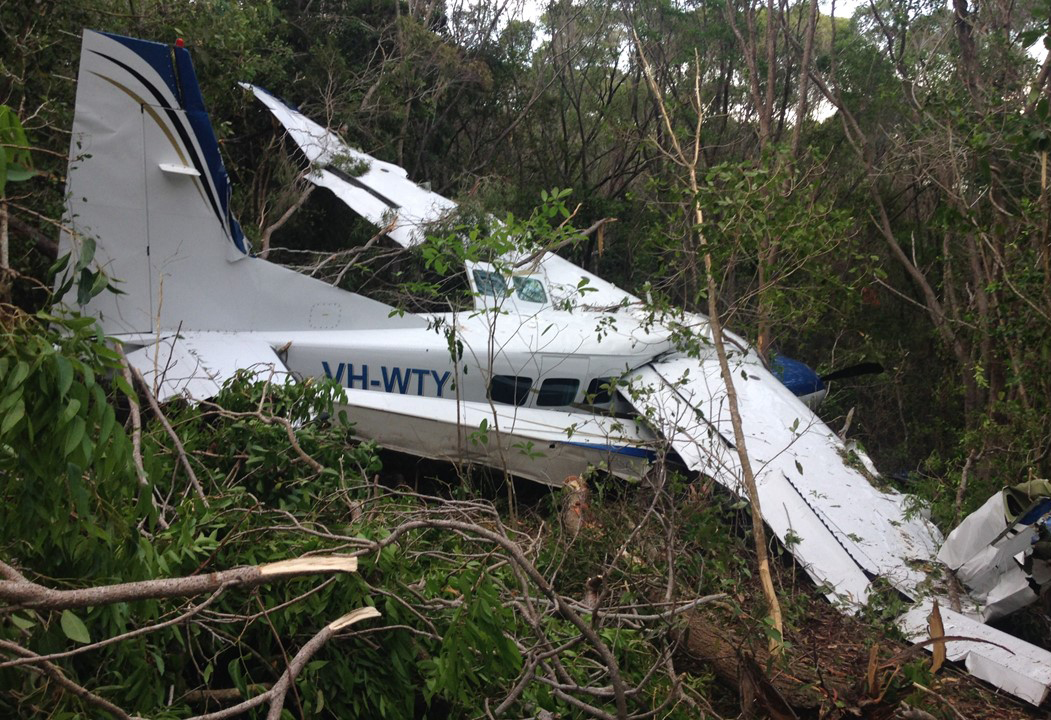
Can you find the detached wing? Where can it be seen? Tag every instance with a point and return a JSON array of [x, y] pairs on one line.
[[378, 191], [385, 196], [814, 494]]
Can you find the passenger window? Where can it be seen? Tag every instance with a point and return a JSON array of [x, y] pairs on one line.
[[558, 391], [490, 283], [509, 389], [599, 390], [530, 289]]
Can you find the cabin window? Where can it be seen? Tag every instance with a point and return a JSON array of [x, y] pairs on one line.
[[530, 289], [599, 390], [510, 389], [557, 391], [490, 283]]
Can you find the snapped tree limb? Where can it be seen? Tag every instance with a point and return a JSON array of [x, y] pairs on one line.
[[31, 595]]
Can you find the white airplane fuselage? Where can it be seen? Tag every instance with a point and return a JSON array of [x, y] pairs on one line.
[[557, 358]]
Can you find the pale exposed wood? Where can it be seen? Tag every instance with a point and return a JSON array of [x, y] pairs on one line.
[[297, 566], [31, 595]]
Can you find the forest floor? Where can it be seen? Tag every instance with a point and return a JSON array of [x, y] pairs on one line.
[[827, 668], [837, 665]]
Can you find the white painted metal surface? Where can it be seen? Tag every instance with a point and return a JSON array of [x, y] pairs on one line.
[[196, 365], [167, 238], [541, 445], [1014, 666], [988, 555], [838, 525]]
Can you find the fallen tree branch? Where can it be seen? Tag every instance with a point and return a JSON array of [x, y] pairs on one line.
[[10, 573], [136, 418], [31, 595], [276, 694], [56, 674], [561, 605], [117, 638], [159, 414]]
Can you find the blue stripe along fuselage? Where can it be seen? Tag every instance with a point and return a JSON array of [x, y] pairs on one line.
[[402, 380], [627, 450]]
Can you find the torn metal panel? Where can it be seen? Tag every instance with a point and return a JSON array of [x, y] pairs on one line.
[[993, 553], [839, 526], [1013, 665], [542, 445]]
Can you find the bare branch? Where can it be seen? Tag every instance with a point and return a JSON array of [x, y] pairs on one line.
[[31, 595], [276, 694], [285, 217], [56, 674], [159, 414]]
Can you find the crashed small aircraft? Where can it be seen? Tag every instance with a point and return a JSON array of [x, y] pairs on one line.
[[147, 182]]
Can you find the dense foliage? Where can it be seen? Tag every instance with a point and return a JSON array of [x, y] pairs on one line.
[[903, 218], [875, 187]]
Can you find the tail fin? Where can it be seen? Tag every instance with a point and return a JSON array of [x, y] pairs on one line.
[[146, 181]]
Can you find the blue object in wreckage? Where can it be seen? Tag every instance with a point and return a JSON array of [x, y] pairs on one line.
[[798, 377]]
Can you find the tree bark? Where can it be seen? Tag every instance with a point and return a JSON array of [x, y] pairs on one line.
[[23, 593]]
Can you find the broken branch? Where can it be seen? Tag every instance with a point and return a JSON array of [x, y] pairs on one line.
[[31, 595]]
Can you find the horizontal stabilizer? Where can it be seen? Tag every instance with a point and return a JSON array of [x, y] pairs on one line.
[[196, 365]]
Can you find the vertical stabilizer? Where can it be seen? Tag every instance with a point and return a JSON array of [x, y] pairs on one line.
[[147, 182]]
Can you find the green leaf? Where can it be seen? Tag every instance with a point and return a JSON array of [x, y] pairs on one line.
[[70, 412], [76, 434], [12, 417], [22, 623], [87, 252], [18, 376], [100, 284], [84, 284], [65, 374], [19, 174], [124, 387], [74, 628]]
